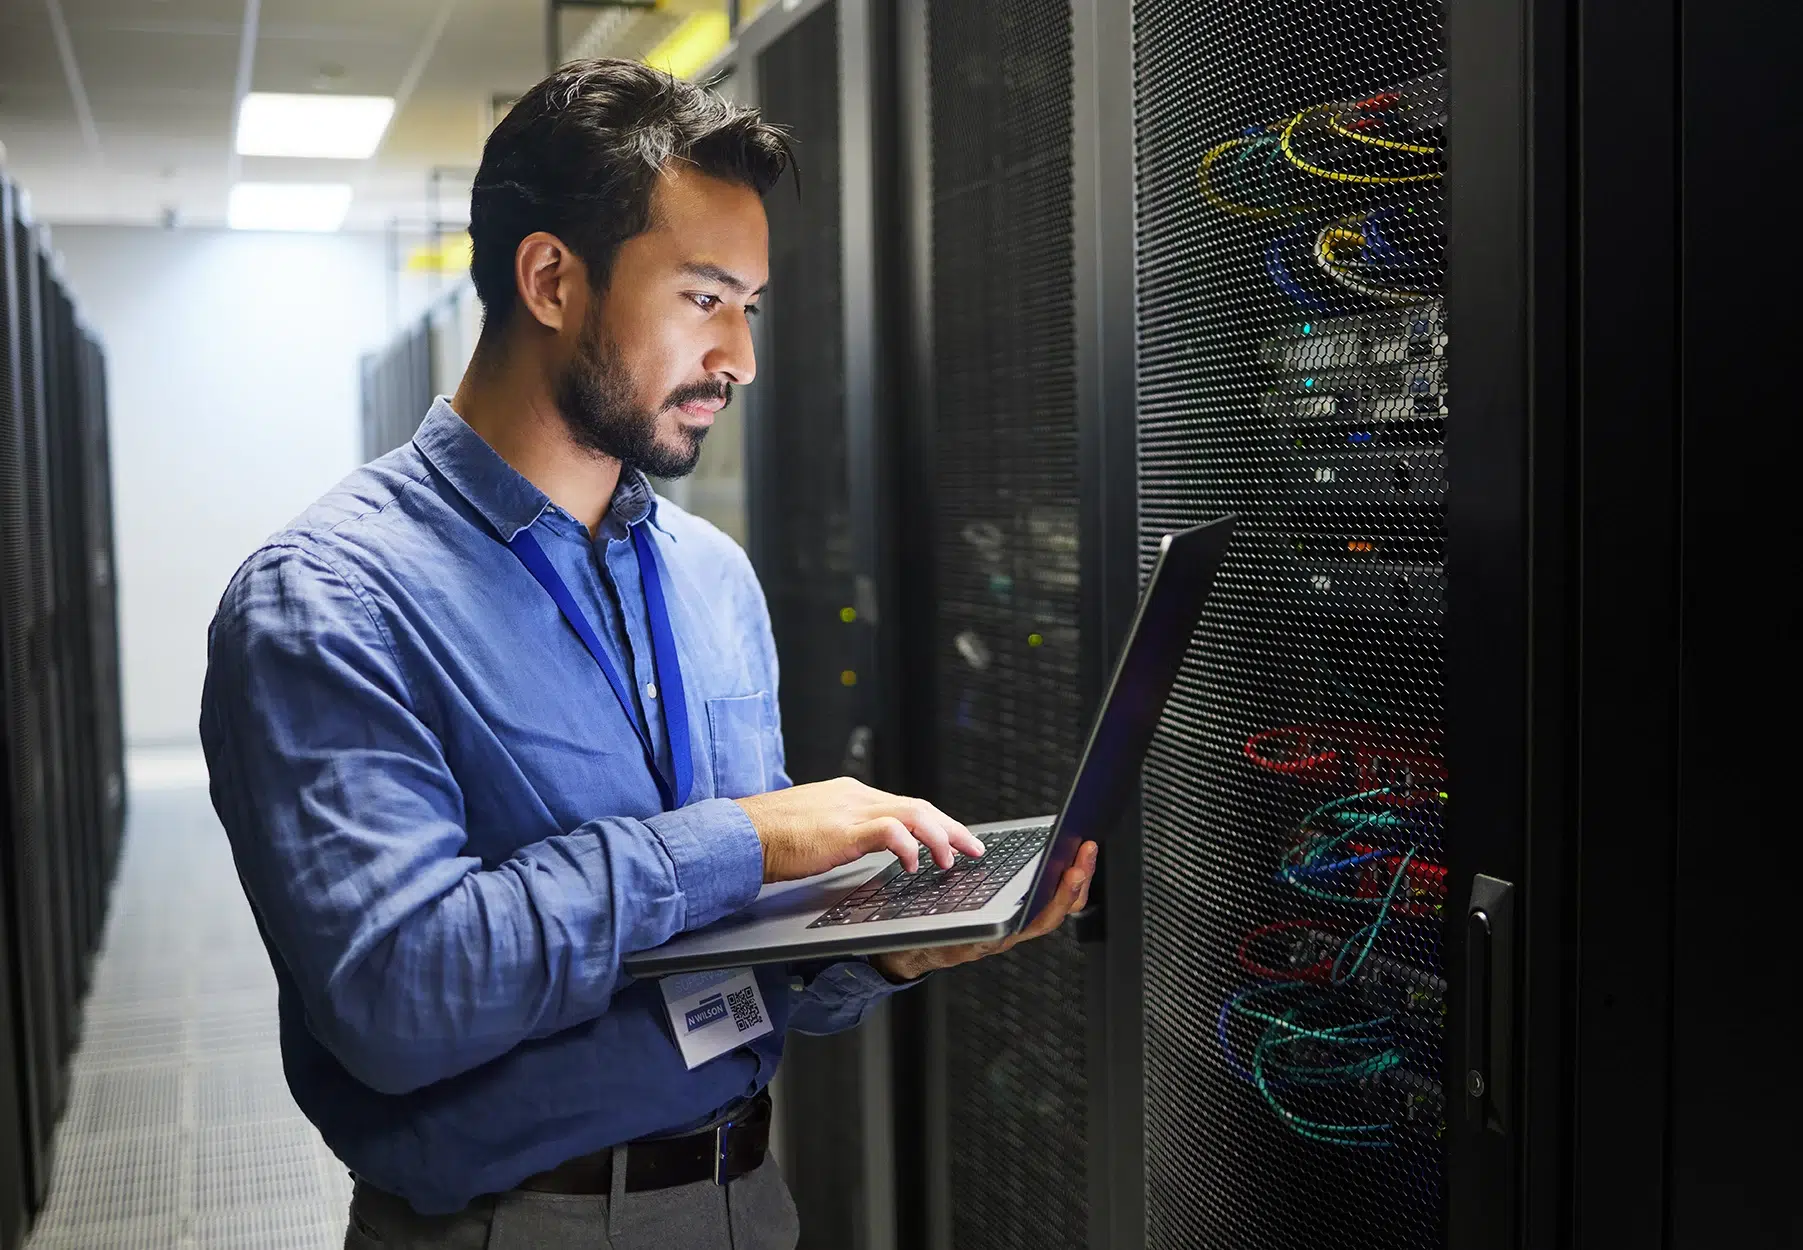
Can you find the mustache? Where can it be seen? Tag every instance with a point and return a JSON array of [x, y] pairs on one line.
[[694, 391]]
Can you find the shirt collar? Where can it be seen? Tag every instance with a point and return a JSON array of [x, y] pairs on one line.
[[496, 490], [633, 500]]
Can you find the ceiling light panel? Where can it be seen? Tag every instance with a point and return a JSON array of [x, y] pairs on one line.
[[342, 127], [307, 206]]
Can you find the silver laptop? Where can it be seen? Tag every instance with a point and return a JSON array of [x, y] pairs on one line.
[[873, 905]]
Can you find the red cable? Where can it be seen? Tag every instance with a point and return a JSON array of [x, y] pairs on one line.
[[1354, 754], [1301, 759]]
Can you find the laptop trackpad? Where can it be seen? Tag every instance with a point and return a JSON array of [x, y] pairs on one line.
[[808, 897]]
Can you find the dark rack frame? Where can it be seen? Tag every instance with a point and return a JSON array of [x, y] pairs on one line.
[[62, 770], [870, 274]]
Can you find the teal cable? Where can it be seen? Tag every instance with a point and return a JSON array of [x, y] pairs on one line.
[[1383, 912], [1332, 1134]]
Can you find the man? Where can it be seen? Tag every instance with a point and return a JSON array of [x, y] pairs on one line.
[[491, 716]]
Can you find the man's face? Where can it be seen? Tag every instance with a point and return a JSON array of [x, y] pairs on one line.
[[661, 349]]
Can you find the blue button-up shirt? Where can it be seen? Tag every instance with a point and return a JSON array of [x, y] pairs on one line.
[[450, 835]]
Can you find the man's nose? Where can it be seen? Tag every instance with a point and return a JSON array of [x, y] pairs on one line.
[[733, 358]]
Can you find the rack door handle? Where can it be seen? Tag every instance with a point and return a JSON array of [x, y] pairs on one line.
[[1489, 1002]]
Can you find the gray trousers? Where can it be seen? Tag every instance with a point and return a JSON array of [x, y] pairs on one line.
[[755, 1212]]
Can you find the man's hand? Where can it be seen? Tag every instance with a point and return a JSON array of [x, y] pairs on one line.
[[1073, 895], [810, 829]]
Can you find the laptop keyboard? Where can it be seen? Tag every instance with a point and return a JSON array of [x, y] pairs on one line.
[[896, 894]]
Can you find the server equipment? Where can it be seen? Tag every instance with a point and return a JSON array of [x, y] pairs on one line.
[[397, 388], [20, 1161], [819, 432], [1404, 909], [62, 797], [1293, 363], [1007, 461], [927, 460], [425, 359]]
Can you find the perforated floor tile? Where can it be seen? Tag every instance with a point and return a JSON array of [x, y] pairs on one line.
[[292, 1228], [180, 1133]]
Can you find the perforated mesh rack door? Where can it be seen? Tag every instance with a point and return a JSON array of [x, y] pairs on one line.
[[23, 988], [109, 742], [1004, 538], [59, 625], [1292, 369], [27, 617], [397, 390], [805, 548]]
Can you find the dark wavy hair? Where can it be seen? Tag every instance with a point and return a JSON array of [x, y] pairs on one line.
[[579, 156]]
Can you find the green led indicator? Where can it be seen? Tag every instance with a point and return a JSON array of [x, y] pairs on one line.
[[1307, 328], [1307, 382]]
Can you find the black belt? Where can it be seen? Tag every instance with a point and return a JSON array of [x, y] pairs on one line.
[[719, 1154]]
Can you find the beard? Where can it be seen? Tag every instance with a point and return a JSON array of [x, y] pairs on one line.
[[595, 397]]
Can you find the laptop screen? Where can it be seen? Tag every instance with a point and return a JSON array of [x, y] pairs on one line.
[[1109, 773]]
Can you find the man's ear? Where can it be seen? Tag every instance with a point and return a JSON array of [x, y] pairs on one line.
[[545, 273]]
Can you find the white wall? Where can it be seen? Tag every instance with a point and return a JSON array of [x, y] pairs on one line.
[[232, 362]]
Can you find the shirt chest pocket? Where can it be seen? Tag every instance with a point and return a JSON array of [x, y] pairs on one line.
[[742, 741]]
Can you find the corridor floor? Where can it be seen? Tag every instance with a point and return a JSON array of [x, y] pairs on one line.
[[180, 1133]]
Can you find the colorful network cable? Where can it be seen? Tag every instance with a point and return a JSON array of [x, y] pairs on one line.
[[1301, 1057], [1337, 115]]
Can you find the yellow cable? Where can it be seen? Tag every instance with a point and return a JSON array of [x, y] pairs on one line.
[[1227, 206], [1283, 145], [1339, 235], [1335, 123], [1339, 271]]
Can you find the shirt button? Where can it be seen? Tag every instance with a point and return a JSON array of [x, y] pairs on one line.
[[651, 690]]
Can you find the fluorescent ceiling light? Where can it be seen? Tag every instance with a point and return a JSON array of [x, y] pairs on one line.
[[345, 127], [288, 206]]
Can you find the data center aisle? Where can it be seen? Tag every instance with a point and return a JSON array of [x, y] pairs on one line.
[[180, 1133]]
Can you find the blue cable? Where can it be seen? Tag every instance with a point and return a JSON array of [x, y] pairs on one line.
[[1280, 274]]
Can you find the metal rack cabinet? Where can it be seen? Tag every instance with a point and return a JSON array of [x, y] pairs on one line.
[[397, 384], [20, 1142], [1475, 629], [1015, 459], [62, 798], [822, 513]]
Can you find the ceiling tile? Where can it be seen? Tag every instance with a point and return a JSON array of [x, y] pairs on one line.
[[161, 73], [124, 61], [339, 66], [106, 12]]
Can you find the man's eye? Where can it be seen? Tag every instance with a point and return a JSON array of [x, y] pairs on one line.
[[706, 303], [752, 310]]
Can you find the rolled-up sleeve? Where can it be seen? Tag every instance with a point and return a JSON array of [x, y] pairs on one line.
[[413, 960]]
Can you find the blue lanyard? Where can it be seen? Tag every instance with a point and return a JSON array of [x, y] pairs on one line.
[[663, 647]]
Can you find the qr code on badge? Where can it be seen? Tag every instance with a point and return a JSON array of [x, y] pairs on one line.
[[744, 1006]]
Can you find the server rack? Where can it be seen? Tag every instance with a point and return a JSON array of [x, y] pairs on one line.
[[61, 778], [822, 509], [1023, 497], [32, 855], [19, 1161], [1411, 891], [1293, 361], [1464, 633], [397, 389]]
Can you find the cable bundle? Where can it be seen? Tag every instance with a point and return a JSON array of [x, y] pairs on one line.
[[1320, 1046], [1310, 1061], [1388, 140], [1319, 862]]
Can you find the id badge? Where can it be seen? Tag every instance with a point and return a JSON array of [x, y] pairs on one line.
[[714, 1012]]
